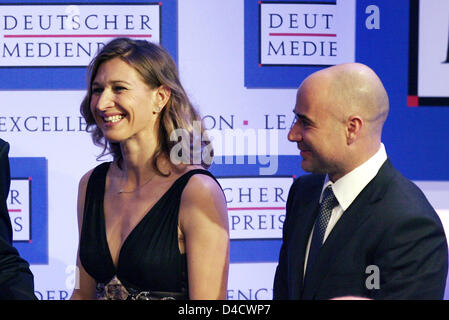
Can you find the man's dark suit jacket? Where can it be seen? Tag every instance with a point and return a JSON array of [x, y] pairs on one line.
[[390, 225], [16, 279]]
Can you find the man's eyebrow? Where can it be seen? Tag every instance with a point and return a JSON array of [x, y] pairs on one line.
[[303, 118]]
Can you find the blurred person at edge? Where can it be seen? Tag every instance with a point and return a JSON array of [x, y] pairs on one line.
[[16, 279], [150, 227], [380, 238]]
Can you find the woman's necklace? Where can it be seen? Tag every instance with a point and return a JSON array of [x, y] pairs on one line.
[[137, 188]]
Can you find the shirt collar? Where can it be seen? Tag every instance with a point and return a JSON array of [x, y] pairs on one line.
[[348, 187]]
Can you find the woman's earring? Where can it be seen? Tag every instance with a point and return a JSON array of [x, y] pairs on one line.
[[156, 110]]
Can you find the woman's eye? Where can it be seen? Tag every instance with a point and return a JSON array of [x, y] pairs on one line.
[[97, 90], [119, 88]]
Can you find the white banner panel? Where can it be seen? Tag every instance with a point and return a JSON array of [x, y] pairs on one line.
[[19, 209], [433, 80], [307, 33], [444, 217], [251, 281], [256, 205], [70, 35]]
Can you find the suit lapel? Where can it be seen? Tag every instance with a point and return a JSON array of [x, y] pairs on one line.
[[305, 207], [345, 228]]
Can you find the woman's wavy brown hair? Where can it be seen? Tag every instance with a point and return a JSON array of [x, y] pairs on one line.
[[157, 68]]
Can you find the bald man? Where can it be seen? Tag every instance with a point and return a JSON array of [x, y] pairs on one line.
[[355, 226]]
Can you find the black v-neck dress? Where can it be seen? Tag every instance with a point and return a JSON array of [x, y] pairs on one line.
[[149, 260]]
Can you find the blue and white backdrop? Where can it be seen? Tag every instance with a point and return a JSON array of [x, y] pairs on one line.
[[240, 62]]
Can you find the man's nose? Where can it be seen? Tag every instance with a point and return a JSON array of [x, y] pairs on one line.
[[294, 135]]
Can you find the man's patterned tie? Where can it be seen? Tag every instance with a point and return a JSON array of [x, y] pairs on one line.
[[327, 205]]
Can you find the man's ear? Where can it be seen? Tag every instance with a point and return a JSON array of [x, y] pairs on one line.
[[353, 128]]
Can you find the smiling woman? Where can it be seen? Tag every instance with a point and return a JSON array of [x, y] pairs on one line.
[[122, 104], [149, 228]]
